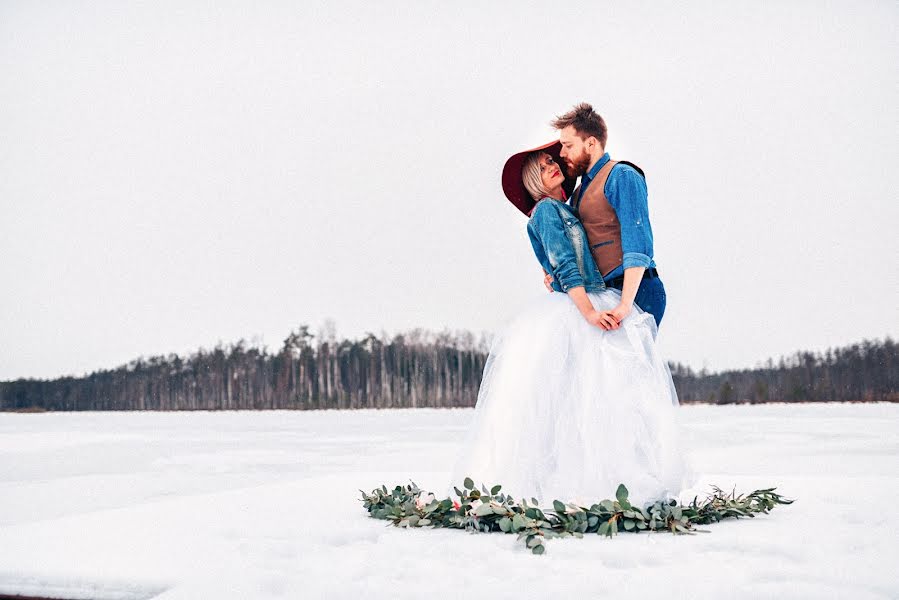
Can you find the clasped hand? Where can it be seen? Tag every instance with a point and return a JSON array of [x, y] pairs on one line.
[[604, 319], [609, 319]]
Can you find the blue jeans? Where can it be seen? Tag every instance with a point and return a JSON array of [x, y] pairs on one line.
[[651, 297]]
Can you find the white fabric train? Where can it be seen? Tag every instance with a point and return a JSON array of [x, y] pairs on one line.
[[567, 411]]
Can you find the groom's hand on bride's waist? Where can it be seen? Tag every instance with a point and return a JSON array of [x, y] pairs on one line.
[[548, 281]]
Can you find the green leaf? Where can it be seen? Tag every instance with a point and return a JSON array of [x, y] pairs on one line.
[[518, 522], [399, 508], [468, 483], [495, 490]]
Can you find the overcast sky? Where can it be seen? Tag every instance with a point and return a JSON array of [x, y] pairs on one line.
[[174, 174]]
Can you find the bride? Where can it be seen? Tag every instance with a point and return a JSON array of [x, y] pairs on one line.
[[568, 408]]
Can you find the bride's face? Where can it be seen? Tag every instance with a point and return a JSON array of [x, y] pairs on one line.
[[550, 172]]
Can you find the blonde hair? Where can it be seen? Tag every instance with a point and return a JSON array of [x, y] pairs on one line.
[[532, 177]]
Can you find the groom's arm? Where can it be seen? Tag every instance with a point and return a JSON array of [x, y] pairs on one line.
[[632, 278], [626, 191]]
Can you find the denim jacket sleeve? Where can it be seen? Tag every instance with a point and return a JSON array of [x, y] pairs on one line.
[[626, 192], [546, 229]]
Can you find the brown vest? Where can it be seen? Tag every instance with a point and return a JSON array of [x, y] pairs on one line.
[[601, 222]]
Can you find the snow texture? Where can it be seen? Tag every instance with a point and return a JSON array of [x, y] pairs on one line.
[[245, 505]]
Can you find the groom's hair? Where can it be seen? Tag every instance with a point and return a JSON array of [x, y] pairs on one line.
[[585, 121]]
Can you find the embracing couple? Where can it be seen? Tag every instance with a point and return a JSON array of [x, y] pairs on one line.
[[575, 397]]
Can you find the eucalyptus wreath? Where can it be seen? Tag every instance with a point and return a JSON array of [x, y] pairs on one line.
[[492, 511]]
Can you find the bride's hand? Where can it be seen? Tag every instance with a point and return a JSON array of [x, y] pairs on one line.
[[603, 320]]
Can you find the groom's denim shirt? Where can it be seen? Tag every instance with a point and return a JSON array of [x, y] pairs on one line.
[[561, 246]]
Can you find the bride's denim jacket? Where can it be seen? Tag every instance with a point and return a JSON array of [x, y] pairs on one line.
[[560, 243]]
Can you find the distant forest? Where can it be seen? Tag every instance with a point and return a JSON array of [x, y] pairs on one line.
[[414, 369]]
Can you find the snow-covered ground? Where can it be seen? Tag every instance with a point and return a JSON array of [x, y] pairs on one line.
[[246, 505]]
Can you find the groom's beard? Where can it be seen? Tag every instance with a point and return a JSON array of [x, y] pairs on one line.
[[578, 166]]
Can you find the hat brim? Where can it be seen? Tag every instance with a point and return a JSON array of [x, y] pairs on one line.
[[513, 184]]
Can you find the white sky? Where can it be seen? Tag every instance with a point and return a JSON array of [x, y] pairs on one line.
[[175, 174]]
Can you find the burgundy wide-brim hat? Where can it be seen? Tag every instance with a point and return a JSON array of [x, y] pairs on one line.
[[513, 184]]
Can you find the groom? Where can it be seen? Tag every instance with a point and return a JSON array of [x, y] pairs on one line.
[[612, 205]]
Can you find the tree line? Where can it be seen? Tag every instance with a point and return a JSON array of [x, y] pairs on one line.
[[414, 369], [864, 372], [410, 370]]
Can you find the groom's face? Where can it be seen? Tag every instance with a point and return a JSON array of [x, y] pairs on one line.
[[574, 152]]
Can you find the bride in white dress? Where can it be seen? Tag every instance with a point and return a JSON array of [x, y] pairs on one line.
[[568, 410]]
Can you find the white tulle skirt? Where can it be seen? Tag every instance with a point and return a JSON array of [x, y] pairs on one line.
[[567, 411]]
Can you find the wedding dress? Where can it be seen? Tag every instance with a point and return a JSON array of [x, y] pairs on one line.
[[567, 411]]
